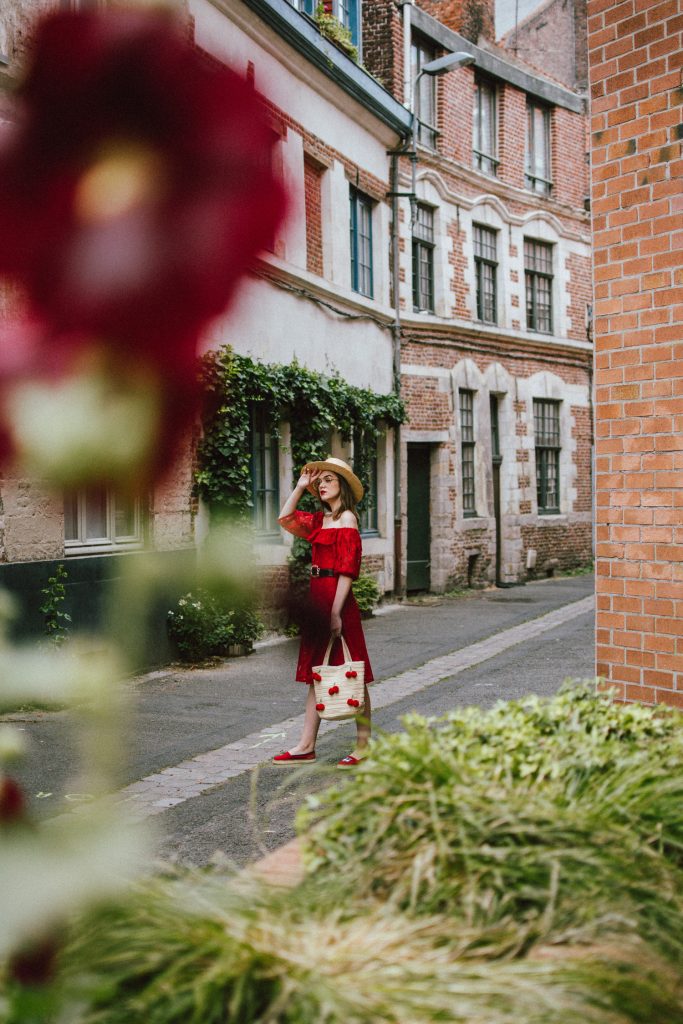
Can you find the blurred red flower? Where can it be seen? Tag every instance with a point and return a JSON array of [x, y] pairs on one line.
[[135, 189], [136, 186]]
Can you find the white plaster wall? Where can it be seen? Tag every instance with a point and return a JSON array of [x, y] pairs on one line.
[[234, 34], [275, 326]]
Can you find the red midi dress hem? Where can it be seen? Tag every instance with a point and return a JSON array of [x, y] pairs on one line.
[[339, 549]]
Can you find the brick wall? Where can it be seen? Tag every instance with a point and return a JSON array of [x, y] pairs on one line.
[[511, 135], [471, 18], [569, 158], [545, 39], [635, 55], [383, 44], [313, 174], [580, 291]]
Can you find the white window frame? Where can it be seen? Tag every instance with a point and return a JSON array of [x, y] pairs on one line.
[[83, 545]]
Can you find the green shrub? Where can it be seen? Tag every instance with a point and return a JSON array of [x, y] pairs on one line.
[[554, 814], [366, 592], [200, 627]]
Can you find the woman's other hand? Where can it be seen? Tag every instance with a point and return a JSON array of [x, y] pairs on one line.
[[308, 477], [335, 625]]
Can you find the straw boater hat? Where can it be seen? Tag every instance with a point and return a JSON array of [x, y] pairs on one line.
[[341, 469]]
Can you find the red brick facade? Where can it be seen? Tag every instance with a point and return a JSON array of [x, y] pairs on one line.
[[635, 56], [313, 173]]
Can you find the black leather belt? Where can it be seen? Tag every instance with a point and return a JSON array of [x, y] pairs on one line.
[[316, 571]]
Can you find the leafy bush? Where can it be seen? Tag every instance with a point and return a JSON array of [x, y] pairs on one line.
[[366, 592], [200, 627], [554, 814]]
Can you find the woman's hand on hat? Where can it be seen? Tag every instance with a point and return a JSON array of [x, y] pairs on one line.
[[308, 477]]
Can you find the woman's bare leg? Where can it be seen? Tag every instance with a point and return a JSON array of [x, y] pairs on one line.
[[364, 726], [311, 725]]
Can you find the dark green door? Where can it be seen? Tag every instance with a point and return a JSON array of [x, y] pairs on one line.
[[418, 517]]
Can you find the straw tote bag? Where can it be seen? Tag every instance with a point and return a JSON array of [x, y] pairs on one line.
[[339, 689]]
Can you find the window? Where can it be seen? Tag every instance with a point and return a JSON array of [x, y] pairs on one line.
[[486, 270], [361, 243], [423, 259], [365, 459], [485, 141], [347, 13], [469, 507], [538, 275], [547, 439], [265, 466], [422, 53], [538, 148], [98, 519]]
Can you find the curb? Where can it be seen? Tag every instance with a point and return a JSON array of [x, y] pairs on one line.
[[282, 867]]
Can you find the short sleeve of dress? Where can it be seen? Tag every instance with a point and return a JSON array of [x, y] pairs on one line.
[[301, 524], [348, 555]]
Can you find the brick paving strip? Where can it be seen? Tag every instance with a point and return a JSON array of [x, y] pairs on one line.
[[172, 786]]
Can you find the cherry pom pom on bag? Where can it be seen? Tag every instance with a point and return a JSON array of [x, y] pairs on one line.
[[339, 689]]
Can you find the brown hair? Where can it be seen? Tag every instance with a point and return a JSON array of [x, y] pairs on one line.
[[347, 502]]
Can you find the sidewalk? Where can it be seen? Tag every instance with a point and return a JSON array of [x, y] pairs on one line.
[[196, 731]]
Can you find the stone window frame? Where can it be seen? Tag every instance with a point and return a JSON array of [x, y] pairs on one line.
[[534, 276], [481, 261], [548, 450]]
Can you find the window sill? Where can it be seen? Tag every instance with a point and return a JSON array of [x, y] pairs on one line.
[[72, 550]]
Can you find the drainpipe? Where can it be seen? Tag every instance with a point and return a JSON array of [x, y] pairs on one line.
[[399, 586], [407, 41]]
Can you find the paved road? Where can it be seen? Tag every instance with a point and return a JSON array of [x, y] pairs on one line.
[[474, 650]]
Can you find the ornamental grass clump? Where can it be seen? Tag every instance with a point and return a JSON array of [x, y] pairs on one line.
[[198, 950], [550, 815]]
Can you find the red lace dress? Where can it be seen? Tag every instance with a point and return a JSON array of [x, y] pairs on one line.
[[337, 548]]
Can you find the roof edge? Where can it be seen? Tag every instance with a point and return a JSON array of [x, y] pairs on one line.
[[300, 32]]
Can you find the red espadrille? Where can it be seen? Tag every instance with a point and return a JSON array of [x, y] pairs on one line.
[[349, 761], [287, 760]]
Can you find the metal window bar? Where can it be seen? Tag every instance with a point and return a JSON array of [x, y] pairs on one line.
[[547, 445], [467, 445], [486, 272]]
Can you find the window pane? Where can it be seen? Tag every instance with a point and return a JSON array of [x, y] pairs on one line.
[[467, 451], [486, 267], [95, 513], [124, 516], [71, 517], [425, 97], [265, 474]]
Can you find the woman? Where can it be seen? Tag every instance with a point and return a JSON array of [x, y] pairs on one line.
[[336, 556]]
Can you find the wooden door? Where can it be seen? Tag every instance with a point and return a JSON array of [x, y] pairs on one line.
[[418, 575]]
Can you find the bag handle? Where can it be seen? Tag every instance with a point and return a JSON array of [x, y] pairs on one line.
[[345, 650]]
